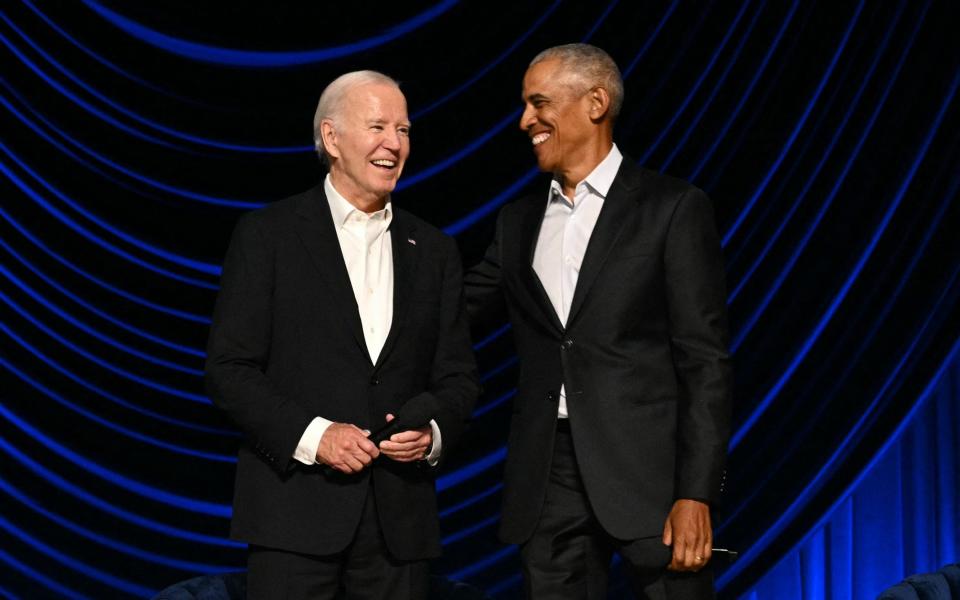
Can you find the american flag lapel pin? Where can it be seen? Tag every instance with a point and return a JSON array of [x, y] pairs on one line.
[[412, 241]]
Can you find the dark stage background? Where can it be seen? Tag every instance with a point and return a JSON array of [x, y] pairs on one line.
[[132, 136]]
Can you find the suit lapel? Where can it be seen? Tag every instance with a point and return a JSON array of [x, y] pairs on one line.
[[616, 207], [529, 232], [316, 231], [405, 260]]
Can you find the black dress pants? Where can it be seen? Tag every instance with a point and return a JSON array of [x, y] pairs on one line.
[[569, 554], [363, 571]]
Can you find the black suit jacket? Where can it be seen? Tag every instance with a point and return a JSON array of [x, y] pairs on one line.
[[287, 345], [643, 356]]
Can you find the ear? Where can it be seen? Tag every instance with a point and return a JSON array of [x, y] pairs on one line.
[[328, 137], [599, 103]]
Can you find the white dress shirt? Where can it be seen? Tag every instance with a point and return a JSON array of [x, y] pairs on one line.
[[564, 235], [368, 254]]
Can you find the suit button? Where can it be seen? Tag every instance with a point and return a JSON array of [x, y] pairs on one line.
[[551, 396], [374, 381], [566, 344]]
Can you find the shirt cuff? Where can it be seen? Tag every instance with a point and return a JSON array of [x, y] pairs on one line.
[[434, 456], [306, 451]]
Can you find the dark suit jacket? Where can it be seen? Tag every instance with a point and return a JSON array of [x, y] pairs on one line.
[[287, 346], [643, 356]]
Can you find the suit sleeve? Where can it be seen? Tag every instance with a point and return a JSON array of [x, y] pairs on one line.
[[453, 378], [485, 300], [238, 351], [696, 297]]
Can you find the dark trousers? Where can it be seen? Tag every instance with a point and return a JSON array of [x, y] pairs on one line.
[[569, 554], [363, 571]]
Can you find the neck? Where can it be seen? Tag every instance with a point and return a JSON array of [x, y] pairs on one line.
[[366, 202], [586, 160]]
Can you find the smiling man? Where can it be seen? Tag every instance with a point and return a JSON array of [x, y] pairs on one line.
[[335, 310], [613, 281]]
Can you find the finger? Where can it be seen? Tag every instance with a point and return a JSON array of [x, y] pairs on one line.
[[353, 465], [367, 447], [404, 446], [667, 533], [406, 436]]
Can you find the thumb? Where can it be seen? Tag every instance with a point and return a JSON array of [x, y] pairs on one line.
[[667, 533]]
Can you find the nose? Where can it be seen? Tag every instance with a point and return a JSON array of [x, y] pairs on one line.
[[528, 118], [391, 139]]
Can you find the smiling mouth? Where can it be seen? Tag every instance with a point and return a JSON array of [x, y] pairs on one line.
[[540, 138], [384, 163]]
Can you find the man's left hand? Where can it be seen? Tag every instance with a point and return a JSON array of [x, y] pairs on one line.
[[408, 446], [688, 530]]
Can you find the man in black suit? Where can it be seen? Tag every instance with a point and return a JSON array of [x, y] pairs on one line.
[[335, 309], [613, 282]]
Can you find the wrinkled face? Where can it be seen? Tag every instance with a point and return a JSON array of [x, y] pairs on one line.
[[369, 143], [556, 116]]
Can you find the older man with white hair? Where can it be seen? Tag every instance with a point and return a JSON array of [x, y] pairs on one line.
[[337, 312]]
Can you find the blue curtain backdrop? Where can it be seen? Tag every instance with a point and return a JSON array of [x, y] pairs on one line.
[[133, 135], [900, 516]]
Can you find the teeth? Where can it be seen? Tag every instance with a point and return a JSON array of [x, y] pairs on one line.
[[385, 163], [540, 138]]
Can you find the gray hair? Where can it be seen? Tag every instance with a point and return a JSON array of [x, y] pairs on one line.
[[331, 102], [592, 66]]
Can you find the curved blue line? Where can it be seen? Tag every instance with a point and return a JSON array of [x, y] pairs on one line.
[[488, 207], [176, 393], [203, 267], [93, 332], [63, 135], [39, 577], [499, 368], [653, 36], [100, 59], [747, 93], [466, 84], [202, 319], [467, 471], [151, 557], [131, 485], [252, 59], [79, 566], [889, 301], [810, 179], [77, 492], [86, 105], [100, 313], [141, 119], [698, 82], [796, 130], [483, 563], [466, 531], [111, 397], [459, 154], [471, 501], [110, 424], [760, 544], [483, 343], [841, 294], [484, 409], [729, 63]]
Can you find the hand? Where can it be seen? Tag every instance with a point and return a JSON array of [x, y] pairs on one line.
[[345, 447], [408, 446], [688, 530]]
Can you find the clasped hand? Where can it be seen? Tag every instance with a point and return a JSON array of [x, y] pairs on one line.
[[345, 447]]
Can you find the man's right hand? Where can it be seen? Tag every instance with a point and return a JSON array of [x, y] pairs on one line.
[[346, 448]]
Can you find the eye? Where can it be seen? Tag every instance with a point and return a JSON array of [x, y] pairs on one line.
[[376, 127], [405, 131]]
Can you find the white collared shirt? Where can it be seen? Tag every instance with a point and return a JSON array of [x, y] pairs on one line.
[[564, 235], [368, 255]]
